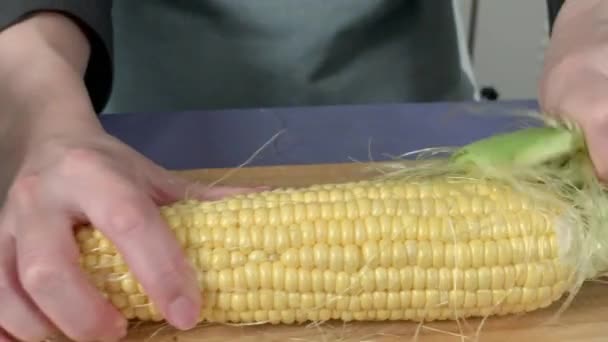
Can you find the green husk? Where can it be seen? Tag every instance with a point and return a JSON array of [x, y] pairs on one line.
[[557, 147], [526, 147]]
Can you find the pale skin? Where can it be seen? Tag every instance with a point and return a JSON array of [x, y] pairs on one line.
[[574, 84], [67, 169]]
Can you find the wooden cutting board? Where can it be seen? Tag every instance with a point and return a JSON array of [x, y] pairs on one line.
[[586, 319]]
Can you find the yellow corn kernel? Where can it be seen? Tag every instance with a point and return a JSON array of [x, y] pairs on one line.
[[434, 249]]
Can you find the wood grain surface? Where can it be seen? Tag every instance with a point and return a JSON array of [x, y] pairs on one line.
[[586, 319]]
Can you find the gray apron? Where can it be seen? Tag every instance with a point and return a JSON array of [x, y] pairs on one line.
[[176, 55]]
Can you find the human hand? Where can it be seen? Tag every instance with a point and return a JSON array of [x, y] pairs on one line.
[[574, 84], [59, 167], [89, 176]]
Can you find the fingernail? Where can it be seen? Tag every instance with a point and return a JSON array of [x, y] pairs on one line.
[[183, 313]]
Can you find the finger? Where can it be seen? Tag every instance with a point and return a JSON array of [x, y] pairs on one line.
[[18, 315], [586, 103], [169, 188], [219, 192], [205, 192], [597, 141], [47, 259], [134, 224]]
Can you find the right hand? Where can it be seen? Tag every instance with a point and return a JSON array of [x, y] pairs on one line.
[[90, 177]]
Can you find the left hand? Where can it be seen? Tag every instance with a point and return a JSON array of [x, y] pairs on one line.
[[574, 83]]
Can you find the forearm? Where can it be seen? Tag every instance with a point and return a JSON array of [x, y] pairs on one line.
[[42, 65], [573, 8], [580, 24], [579, 42]]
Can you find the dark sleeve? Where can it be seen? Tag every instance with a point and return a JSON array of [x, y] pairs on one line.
[[95, 19], [553, 8]]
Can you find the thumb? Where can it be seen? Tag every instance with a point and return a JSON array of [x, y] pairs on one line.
[[597, 140], [581, 97], [167, 188]]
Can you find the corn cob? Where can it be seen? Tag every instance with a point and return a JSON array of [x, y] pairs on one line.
[[392, 249]]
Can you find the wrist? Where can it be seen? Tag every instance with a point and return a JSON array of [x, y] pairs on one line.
[[47, 95], [578, 45], [43, 90], [44, 33]]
